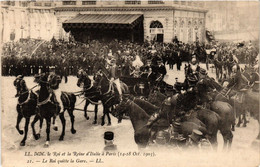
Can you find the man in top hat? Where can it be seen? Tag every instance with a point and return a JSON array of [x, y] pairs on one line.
[[57, 91], [147, 69], [109, 139], [160, 70]]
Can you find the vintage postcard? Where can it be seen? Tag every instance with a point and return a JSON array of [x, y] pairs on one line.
[[129, 83]]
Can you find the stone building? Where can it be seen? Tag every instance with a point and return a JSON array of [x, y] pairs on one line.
[[27, 19], [90, 19], [153, 20]]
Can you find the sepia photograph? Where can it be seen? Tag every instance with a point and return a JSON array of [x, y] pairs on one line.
[[123, 83]]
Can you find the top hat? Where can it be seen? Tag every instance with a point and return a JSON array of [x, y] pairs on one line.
[[108, 135], [203, 71], [196, 135]]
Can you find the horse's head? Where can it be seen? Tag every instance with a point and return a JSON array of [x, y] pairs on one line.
[[121, 108], [97, 79], [54, 81], [41, 78], [83, 79], [20, 84]]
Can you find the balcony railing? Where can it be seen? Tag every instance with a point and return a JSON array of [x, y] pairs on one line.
[[155, 2], [68, 2], [134, 2], [89, 2]]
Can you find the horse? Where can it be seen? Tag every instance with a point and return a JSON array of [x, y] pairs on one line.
[[139, 119], [92, 95], [48, 107], [26, 107], [109, 93], [223, 109]]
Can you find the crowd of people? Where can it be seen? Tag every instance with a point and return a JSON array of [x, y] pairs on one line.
[[29, 56]]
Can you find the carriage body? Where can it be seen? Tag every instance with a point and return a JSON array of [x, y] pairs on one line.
[[137, 86]]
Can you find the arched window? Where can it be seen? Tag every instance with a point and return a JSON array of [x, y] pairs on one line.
[[156, 24]]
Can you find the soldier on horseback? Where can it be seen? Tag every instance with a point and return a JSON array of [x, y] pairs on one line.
[[54, 81]]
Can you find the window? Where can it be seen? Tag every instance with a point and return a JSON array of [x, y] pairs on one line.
[[156, 24], [47, 4], [155, 2], [183, 2], [23, 3], [12, 3], [133, 2], [68, 2], [37, 4], [89, 2]]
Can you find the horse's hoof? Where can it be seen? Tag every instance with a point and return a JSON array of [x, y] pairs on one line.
[[87, 118], [109, 124], [55, 128], [238, 125], [46, 145], [102, 124], [37, 136], [20, 132], [61, 138], [94, 122], [244, 125], [73, 131], [22, 144], [119, 121]]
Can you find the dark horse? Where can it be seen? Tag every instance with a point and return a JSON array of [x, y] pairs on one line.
[[48, 107], [108, 91], [92, 95], [26, 107]]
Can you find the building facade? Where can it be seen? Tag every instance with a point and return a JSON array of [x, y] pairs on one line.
[[160, 20], [24, 19]]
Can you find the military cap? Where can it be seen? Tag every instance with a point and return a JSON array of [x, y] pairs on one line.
[[108, 135]]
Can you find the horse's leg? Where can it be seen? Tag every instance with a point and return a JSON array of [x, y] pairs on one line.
[[258, 137], [85, 110], [41, 122], [36, 118], [72, 119], [63, 121], [244, 118], [214, 142], [95, 118], [230, 139], [48, 125], [239, 120], [108, 117], [27, 121], [19, 118], [55, 127], [103, 116]]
